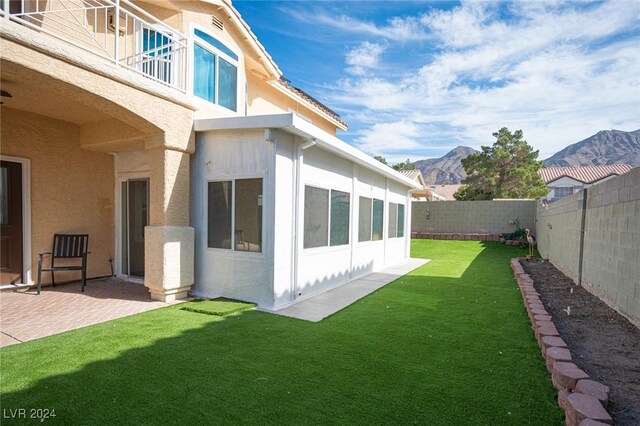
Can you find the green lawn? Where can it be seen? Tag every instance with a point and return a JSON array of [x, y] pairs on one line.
[[449, 343]]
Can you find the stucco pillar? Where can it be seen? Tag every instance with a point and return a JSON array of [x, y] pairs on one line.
[[169, 240]]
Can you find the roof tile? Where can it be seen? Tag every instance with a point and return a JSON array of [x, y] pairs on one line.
[[586, 174]]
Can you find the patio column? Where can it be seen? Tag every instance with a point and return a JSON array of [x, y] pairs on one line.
[[169, 240]]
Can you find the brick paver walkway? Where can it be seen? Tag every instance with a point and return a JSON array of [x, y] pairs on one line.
[[26, 316]]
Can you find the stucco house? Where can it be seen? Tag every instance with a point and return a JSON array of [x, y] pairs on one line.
[[165, 131], [565, 181]]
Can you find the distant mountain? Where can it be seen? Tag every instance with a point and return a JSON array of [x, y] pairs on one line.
[[445, 170], [604, 148]]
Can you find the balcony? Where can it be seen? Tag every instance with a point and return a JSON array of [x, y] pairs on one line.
[[116, 30]]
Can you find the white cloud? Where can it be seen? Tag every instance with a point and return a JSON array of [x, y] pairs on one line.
[[363, 57], [558, 71], [389, 137], [396, 28]]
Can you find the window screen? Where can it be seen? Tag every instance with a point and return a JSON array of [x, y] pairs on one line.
[[393, 220], [378, 214], [316, 217], [219, 212], [227, 84], [248, 215], [400, 220], [364, 219], [340, 202]]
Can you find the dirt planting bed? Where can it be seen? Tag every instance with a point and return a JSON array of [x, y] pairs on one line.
[[604, 344]]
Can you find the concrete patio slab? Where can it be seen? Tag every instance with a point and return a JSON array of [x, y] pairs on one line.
[[26, 316], [322, 305]]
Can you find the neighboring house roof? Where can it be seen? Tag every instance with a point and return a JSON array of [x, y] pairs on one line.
[[296, 125], [304, 95], [414, 175], [586, 174], [445, 191]]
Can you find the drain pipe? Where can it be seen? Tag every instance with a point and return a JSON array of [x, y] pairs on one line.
[[299, 156]]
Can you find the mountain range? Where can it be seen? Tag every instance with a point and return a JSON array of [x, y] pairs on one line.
[[603, 148]]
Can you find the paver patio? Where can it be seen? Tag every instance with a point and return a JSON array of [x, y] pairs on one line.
[[25, 316]]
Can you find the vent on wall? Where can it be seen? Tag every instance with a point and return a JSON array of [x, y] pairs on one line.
[[216, 23]]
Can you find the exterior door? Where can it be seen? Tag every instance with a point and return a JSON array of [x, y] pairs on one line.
[[11, 222], [135, 216]]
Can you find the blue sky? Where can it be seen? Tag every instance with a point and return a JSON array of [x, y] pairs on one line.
[[415, 79]]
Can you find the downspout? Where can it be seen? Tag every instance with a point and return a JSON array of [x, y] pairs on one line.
[[299, 156]]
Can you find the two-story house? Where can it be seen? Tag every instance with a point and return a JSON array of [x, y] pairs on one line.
[[165, 131]]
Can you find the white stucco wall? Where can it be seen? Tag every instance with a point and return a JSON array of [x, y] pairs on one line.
[[271, 278], [323, 268], [221, 272]]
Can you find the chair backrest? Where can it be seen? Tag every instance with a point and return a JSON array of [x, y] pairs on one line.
[[70, 245]]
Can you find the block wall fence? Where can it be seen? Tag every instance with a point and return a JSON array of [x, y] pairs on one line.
[[593, 237], [471, 217]]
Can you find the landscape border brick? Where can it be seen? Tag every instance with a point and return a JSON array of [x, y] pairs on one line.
[[583, 399]]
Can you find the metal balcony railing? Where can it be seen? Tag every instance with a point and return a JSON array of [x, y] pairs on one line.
[[116, 30]]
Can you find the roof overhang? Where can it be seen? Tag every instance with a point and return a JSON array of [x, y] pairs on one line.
[[590, 182], [263, 56], [295, 125]]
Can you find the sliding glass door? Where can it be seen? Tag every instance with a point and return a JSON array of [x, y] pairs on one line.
[[134, 217]]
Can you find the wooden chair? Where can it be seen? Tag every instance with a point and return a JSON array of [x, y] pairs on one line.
[[66, 246]]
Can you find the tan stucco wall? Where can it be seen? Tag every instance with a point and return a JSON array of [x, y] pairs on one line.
[[265, 99], [72, 190], [262, 97], [473, 217], [611, 261]]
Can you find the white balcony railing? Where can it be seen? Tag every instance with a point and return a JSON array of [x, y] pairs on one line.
[[117, 30]]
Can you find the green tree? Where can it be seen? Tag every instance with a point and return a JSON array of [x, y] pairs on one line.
[[381, 159], [407, 165], [507, 169]]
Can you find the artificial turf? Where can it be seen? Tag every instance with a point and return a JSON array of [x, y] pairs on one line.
[[220, 307], [449, 343]]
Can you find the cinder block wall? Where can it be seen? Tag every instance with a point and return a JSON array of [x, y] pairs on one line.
[[558, 233], [611, 259], [611, 266], [471, 217]]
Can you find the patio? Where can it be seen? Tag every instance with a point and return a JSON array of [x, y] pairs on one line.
[[26, 316]]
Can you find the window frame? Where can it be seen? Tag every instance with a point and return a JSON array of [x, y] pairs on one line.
[[383, 233], [555, 189], [398, 228], [217, 53], [328, 246], [232, 251]]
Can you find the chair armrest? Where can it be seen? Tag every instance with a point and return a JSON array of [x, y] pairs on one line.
[[42, 254]]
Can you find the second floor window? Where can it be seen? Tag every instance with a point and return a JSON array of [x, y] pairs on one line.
[[563, 191], [215, 71]]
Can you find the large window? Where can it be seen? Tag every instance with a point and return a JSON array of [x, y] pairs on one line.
[[370, 223], [235, 215], [215, 71], [396, 220], [326, 217]]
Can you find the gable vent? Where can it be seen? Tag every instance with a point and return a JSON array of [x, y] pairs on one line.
[[217, 23]]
